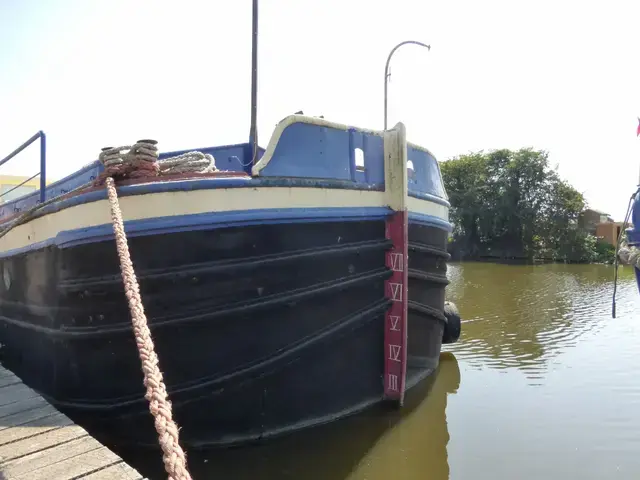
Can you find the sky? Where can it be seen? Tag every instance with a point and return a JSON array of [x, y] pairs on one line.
[[560, 75]]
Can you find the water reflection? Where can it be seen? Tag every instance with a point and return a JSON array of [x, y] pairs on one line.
[[379, 444], [522, 315]]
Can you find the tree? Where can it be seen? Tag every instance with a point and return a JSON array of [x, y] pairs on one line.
[[511, 204]]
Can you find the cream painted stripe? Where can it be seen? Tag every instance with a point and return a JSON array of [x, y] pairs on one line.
[[164, 204], [426, 207]]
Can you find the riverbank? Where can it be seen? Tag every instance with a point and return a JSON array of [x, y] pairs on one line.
[[526, 261], [591, 252]]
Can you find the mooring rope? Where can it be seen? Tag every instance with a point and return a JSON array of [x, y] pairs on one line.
[[175, 461], [624, 253], [141, 160], [629, 255]]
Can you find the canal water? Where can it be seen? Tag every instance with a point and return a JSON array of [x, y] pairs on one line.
[[543, 384]]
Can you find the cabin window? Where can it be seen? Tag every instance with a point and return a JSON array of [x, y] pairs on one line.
[[410, 171], [359, 154]]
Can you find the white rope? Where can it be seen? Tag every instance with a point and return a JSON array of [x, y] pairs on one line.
[[629, 255], [138, 160], [141, 159], [113, 156], [190, 162]]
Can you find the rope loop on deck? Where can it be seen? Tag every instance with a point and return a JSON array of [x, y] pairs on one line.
[[190, 162], [141, 160]]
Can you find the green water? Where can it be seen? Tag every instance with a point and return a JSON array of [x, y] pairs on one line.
[[544, 384]]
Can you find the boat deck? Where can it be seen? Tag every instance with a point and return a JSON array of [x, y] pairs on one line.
[[37, 442]]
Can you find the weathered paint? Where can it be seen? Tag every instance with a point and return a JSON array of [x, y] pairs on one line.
[[396, 287]]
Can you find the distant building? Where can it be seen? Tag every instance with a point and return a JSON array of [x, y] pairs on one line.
[[609, 232], [14, 186], [601, 225], [590, 218]]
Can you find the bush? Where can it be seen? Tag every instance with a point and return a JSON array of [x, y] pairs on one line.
[[604, 253]]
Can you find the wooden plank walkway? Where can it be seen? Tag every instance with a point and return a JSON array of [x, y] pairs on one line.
[[39, 443]]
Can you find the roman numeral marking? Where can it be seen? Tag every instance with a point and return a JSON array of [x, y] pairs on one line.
[[394, 352], [394, 319], [392, 382], [397, 262], [396, 291]]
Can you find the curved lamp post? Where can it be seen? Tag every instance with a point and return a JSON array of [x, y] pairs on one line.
[[386, 71]]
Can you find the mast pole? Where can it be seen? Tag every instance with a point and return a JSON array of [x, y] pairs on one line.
[[638, 135], [253, 133]]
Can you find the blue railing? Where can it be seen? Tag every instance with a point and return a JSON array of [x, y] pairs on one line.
[[43, 163]]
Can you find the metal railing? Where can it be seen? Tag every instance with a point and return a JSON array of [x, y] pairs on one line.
[[43, 163]]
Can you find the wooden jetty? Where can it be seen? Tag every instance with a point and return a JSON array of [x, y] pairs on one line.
[[39, 443]]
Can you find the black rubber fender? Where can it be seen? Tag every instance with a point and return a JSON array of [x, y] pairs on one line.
[[453, 326]]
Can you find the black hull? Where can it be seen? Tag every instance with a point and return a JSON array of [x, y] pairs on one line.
[[260, 330]]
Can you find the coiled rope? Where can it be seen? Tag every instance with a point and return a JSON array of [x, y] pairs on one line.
[[141, 160], [196, 162]]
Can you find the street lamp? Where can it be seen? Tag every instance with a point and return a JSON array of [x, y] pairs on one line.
[[386, 71]]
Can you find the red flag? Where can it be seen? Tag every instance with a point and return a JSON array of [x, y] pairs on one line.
[[638, 130]]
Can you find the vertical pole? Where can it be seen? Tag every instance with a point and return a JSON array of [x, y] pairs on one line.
[[253, 133], [386, 71], [638, 135], [43, 166], [386, 88], [396, 287]]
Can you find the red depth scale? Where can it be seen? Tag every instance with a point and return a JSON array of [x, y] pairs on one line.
[[395, 333]]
